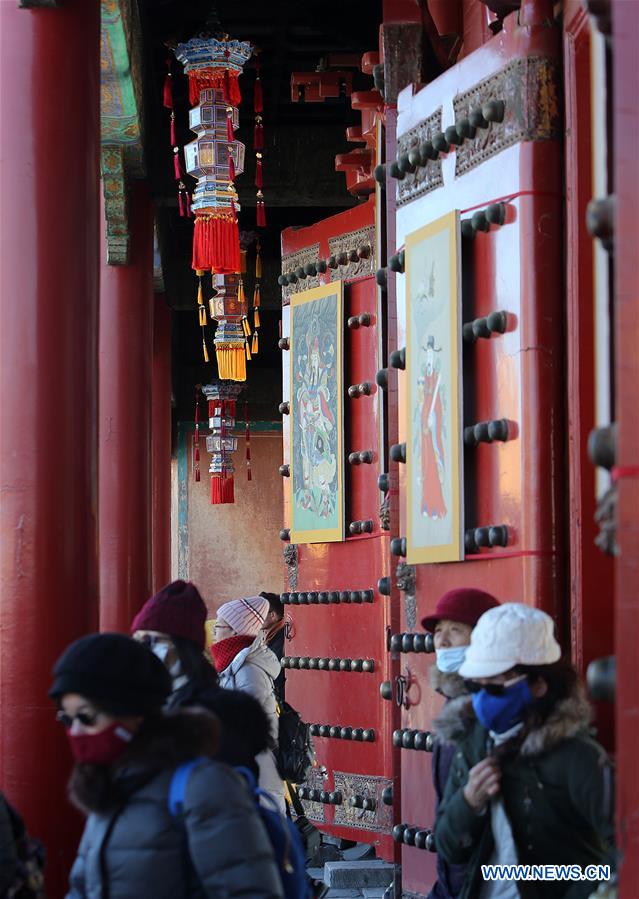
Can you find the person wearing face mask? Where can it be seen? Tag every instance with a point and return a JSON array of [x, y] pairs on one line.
[[456, 614], [528, 783], [244, 662], [110, 691], [172, 625]]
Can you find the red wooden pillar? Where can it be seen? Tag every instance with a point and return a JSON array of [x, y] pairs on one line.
[[49, 96], [161, 444], [125, 354], [626, 179]]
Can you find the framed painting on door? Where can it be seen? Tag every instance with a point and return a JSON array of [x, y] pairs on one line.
[[433, 397], [317, 424]]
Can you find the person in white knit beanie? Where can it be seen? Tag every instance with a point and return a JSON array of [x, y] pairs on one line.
[[528, 784], [244, 662]]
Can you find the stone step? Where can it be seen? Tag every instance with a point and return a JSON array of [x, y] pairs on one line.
[[358, 875]]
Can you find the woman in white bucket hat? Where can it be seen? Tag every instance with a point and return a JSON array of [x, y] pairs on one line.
[[528, 783]]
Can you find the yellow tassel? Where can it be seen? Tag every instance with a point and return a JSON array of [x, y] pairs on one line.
[[202, 311], [243, 261], [200, 299], [256, 318], [258, 260], [206, 352], [248, 351], [256, 295], [254, 344], [241, 296]]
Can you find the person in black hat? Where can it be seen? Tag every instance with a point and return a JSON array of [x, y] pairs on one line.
[[110, 692]]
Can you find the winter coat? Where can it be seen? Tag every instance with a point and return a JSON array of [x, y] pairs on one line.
[[276, 645], [254, 670], [132, 847], [557, 792], [450, 878], [8, 851], [245, 727]]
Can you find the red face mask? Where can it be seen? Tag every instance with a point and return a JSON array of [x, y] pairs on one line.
[[100, 749]]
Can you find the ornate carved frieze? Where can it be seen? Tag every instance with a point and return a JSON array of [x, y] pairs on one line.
[[426, 177], [315, 811], [528, 88], [360, 243], [290, 560], [297, 260], [366, 787]]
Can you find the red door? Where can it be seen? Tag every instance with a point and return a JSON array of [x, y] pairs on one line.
[[512, 361], [336, 654]]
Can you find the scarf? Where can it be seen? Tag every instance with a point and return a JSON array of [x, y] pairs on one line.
[[225, 651]]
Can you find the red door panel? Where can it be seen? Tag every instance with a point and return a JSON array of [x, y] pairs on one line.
[[515, 378]]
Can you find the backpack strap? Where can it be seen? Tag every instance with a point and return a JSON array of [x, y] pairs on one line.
[[177, 787]]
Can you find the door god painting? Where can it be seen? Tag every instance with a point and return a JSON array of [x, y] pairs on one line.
[[433, 399], [317, 454]]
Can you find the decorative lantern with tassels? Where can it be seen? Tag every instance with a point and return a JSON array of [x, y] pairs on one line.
[[221, 443], [215, 158]]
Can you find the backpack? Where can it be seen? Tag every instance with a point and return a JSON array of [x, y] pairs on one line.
[[282, 833], [294, 754], [28, 882]]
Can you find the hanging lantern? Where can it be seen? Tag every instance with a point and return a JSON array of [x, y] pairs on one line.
[[222, 400], [215, 159]]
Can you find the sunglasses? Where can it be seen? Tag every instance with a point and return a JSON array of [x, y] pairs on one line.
[[492, 689], [87, 719]]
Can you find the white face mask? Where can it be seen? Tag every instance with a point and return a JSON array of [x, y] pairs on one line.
[[161, 650], [450, 660]]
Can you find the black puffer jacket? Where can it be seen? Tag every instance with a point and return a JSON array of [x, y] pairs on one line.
[[133, 847], [245, 727]]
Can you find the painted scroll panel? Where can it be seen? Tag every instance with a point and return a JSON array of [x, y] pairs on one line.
[[317, 428], [434, 406]]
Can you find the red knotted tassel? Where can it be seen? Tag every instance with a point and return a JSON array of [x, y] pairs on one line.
[[258, 97], [187, 197], [177, 168], [260, 214], [230, 136], [167, 94], [172, 130], [231, 168], [258, 171], [258, 136], [181, 204], [222, 489]]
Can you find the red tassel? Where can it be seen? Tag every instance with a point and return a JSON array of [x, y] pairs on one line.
[[230, 136], [167, 94], [177, 168], [216, 245], [258, 97], [181, 204], [231, 168], [172, 130], [260, 214], [258, 172], [187, 197], [258, 136], [197, 475], [222, 489]]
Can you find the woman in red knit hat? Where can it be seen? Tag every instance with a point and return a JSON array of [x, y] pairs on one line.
[[456, 614], [171, 623]]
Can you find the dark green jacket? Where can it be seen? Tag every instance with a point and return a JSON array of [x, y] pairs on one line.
[[557, 792]]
